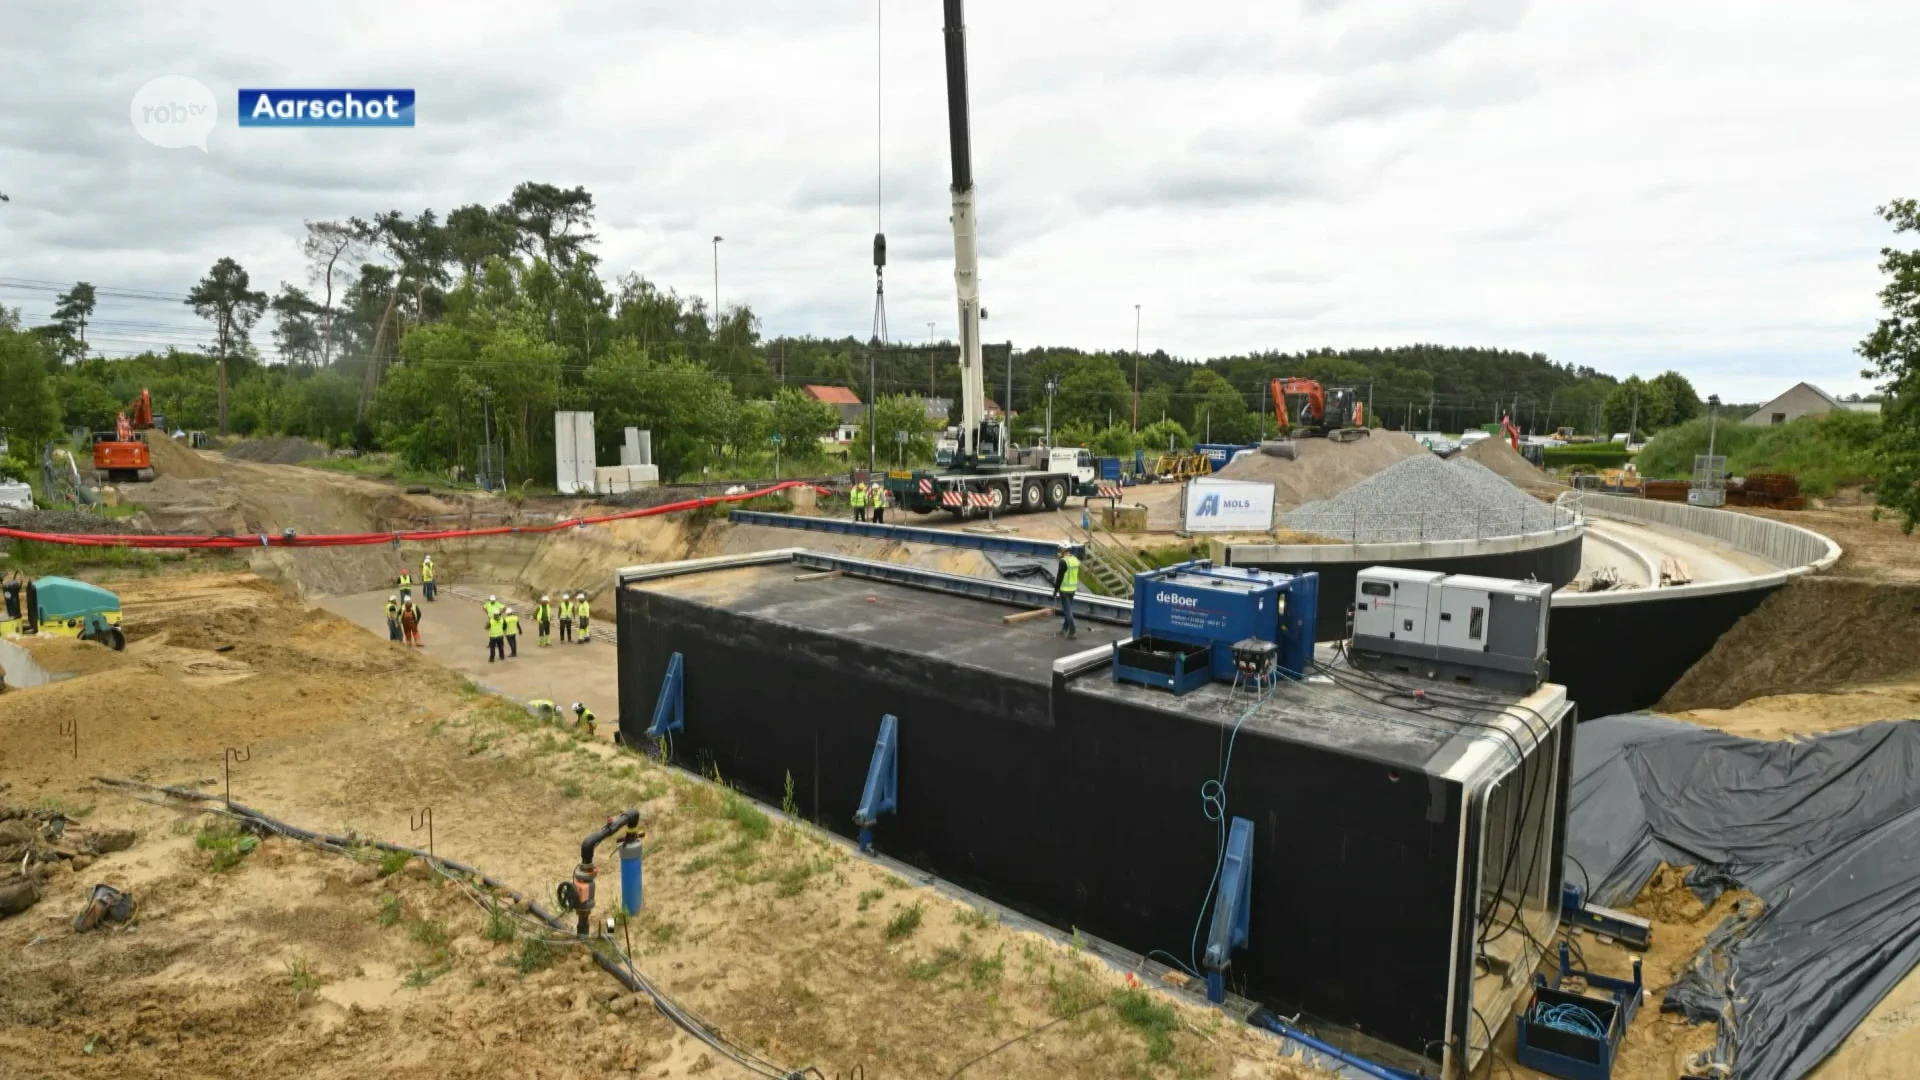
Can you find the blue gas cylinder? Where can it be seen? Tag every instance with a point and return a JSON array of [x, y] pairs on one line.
[[630, 876]]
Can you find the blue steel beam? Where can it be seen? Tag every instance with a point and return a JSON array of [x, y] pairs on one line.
[[882, 791], [1232, 908], [1044, 549]]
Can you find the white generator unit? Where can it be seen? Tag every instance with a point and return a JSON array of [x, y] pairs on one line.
[[1480, 631]]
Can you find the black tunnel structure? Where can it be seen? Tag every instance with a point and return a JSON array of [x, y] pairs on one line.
[[1027, 774]]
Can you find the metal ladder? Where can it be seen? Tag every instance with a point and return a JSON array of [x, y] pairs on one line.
[[1110, 565]]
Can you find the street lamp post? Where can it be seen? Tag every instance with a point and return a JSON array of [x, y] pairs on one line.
[[1136, 367], [1053, 384], [716, 287]]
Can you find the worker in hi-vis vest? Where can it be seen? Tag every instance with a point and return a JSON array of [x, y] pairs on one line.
[[857, 498], [543, 618], [583, 609], [1067, 577], [426, 577], [406, 586], [496, 634], [566, 617]]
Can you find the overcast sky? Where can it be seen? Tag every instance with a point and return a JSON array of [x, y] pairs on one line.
[[1631, 185]]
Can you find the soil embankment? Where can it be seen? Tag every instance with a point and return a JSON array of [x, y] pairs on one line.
[[1816, 635]]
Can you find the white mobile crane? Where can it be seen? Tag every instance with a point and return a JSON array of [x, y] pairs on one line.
[[985, 474]]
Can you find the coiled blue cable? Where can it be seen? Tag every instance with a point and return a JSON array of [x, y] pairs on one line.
[[1570, 1018]]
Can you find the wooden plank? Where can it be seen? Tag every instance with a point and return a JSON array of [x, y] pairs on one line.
[[1027, 616], [816, 577]]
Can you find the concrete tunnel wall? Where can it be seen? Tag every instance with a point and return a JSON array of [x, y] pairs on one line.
[[1043, 799]]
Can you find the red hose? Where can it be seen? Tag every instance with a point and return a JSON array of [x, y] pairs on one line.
[[151, 540]]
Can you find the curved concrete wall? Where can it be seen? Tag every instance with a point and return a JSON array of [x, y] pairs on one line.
[[1551, 556], [1614, 651], [1621, 651]]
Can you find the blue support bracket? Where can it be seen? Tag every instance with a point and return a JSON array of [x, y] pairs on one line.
[[1575, 1035], [1232, 908], [883, 781], [670, 712]]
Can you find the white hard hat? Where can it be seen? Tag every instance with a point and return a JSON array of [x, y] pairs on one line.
[[579, 596], [491, 598], [577, 707], [545, 599], [509, 611], [395, 596]]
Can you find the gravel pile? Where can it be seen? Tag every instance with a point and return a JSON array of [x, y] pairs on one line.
[[1424, 498], [283, 450], [65, 521]]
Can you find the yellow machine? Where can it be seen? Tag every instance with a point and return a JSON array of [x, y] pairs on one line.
[[58, 605], [1182, 466]]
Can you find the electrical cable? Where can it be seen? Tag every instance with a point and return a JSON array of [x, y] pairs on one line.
[[343, 845]]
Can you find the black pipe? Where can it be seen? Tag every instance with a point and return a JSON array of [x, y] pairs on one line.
[[626, 819], [957, 125]]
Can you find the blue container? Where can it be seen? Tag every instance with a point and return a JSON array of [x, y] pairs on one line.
[[1201, 604], [1220, 455], [1110, 468], [630, 877]]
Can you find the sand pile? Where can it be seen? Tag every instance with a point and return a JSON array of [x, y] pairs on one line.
[[173, 458], [1502, 458], [1323, 468], [282, 450]]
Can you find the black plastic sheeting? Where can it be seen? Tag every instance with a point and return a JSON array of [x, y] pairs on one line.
[[1023, 568], [1825, 831]]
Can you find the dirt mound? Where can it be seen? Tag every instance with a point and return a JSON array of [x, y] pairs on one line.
[[1502, 458], [173, 458], [281, 450], [71, 655], [1816, 634], [1323, 468]]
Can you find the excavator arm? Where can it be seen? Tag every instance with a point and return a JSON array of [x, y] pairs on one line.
[[1315, 408]]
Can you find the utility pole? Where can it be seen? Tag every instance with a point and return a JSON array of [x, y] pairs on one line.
[[486, 444], [1136, 367], [1369, 399], [1053, 384], [716, 288], [1006, 407], [1634, 424]]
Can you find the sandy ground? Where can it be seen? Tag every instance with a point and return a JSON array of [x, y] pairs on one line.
[[297, 963], [454, 636], [1872, 549]]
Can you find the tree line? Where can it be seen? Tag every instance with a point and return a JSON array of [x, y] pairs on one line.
[[428, 336]]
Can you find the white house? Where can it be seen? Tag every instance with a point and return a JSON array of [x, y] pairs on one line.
[[1805, 399]]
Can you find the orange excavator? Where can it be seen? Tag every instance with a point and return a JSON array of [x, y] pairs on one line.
[[1335, 414], [121, 454]]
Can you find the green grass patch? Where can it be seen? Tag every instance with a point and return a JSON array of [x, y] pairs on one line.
[[985, 971], [534, 955], [65, 809], [904, 922], [381, 466], [1072, 993], [300, 974], [570, 788], [793, 880], [499, 928], [423, 975], [664, 933], [230, 846], [1596, 455], [429, 932], [974, 917], [932, 968], [1824, 453], [868, 897], [390, 911], [1153, 1020], [392, 862], [753, 822], [702, 862]]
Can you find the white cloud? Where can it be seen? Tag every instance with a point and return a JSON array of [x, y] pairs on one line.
[[1633, 186]]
